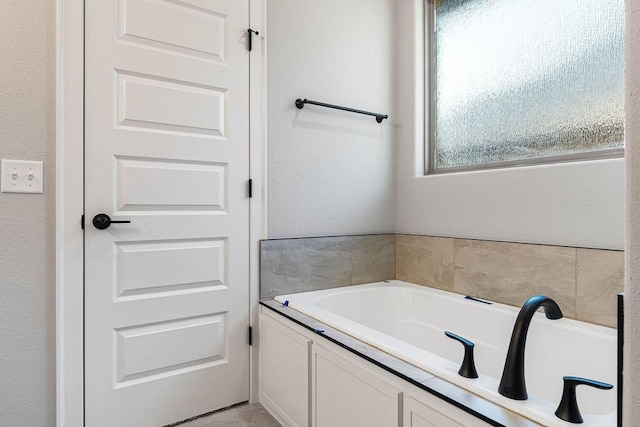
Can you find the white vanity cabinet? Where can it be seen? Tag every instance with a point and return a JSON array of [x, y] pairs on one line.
[[306, 380]]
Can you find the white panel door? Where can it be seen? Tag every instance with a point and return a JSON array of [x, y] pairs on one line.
[[166, 148]]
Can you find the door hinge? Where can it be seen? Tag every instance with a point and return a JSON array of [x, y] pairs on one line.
[[82, 222], [250, 335], [250, 188], [250, 33]]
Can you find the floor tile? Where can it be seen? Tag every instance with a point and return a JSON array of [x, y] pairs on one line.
[[239, 416]]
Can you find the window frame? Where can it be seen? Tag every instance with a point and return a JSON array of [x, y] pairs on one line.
[[429, 146]]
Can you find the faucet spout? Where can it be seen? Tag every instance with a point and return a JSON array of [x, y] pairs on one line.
[[512, 384]]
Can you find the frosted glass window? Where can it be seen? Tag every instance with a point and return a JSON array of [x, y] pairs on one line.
[[526, 81]]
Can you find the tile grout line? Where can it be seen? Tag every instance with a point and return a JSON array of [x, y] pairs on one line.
[[575, 275], [395, 258]]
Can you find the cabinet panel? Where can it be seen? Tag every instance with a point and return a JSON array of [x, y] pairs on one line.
[[347, 395], [285, 368], [417, 414]]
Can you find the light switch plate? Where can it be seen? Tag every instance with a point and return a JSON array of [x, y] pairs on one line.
[[21, 176]]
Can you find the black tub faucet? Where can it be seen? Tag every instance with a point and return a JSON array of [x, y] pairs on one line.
[[512, 384]]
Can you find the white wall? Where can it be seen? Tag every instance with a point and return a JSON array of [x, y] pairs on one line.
[[572, 204], [631, 408], [27, 222], [330, 172]]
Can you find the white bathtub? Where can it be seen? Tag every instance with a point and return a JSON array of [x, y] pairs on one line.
[[409, 321]]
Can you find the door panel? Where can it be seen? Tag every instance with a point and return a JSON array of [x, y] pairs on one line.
[[204, 36], [171, 179], [167, 148], [145, 268], [153, 102], [149, 350]]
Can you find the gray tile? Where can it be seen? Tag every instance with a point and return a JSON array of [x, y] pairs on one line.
[[600, 277], [425, 260], [299, 265], [510, 273], [238, 416], [306, 264], [373, 258]]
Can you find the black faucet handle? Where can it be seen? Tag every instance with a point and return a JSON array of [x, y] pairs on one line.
[[468, 367], [568, 408]]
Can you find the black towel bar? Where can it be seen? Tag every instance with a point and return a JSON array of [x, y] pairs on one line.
[[379, 117]]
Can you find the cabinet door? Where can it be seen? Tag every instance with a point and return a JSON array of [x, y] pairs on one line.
[[344, 394], [284, 367]]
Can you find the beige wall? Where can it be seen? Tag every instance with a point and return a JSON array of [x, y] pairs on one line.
[[27, 223], [632, 246]]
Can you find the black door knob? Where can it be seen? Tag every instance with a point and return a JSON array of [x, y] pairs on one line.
[[103, 221]]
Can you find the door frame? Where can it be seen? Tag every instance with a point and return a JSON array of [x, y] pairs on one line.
[[70, 201]]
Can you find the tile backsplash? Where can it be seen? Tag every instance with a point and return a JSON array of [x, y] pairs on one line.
[[599, 278], [584, 282], [511, 273], [306, 264]]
